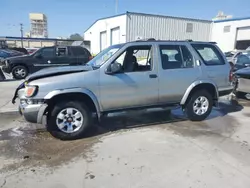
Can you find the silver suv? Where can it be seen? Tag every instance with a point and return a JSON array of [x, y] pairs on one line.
[[134, 75]]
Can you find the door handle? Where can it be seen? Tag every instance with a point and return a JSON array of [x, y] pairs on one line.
[[152, 76]]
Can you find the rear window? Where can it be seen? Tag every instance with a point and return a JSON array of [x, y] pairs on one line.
[[209, 54], [79, 51]]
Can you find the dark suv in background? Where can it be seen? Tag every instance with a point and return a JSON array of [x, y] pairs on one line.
[[46, 57]]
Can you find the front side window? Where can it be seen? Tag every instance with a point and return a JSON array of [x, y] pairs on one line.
[[176, 57], [48, 52], [209, 54], [136, 59]]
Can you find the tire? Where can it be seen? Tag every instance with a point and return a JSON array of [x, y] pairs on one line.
[[19, 72], [190, 111], [69, 131]]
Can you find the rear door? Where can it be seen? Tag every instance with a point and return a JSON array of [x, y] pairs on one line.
[[215, 66], [177, 71], [62, 57]]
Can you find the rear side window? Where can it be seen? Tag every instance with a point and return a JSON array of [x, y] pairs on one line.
[[79, 51], [209, 54], [176, 57]]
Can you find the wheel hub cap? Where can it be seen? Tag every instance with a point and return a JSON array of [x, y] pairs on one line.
[[69, 120], [20, 72], [200, 105]]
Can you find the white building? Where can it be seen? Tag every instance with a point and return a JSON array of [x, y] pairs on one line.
[[132, 26], [229, 33], [39, 25], [232, 33]]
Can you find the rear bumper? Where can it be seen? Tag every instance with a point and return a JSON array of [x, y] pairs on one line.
[[226, 91], [243, 85], [33, 113]]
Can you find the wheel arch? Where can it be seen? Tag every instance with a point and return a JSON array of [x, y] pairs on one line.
[[201, 85], [77, 93], [19, 64]]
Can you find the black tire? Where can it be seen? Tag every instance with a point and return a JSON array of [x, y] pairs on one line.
[[189, 106], [57, 133], [19, 76]]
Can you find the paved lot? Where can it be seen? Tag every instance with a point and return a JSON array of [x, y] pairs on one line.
[[131, 150], [7, 90]]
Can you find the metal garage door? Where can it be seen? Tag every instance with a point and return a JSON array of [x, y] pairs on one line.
[[103, 40], [243, 33], [115, 36]]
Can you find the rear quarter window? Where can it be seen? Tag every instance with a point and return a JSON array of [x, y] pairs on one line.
[[209, 54], [79, 51]]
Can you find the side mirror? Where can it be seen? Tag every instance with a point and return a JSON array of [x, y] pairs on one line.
[[114, 68], [38, 56]]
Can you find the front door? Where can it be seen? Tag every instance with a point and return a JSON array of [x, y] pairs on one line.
[[136, 85], [44, 58], [177, 72]]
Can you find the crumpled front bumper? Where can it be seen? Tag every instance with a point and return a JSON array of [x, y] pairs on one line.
[[33, 113], [32, 110]]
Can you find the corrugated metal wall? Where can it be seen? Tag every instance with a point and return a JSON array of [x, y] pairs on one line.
[[166, 28]]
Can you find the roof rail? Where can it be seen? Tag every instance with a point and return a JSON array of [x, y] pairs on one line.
[[146, 39]]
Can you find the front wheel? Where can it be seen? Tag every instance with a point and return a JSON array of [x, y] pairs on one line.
[[69, 120], [19, 72], [199, 106]]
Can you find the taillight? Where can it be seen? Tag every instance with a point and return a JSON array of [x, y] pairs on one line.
[[230, 75]]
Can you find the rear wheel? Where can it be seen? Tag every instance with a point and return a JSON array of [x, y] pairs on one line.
[[199, 106], [69, 120], [19, 72]]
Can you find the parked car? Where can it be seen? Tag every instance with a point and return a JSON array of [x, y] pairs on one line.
[[66, 98], [31, 50], [241, 60], [6, 53], [46, 57], [243, 82]]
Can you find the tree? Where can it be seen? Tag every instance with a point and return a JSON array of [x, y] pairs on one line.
[[76, 36]]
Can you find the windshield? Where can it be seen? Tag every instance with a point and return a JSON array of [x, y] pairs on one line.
[[104, 55]]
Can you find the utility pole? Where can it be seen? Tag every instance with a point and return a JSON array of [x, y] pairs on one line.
[[116, 6], [21, 30]]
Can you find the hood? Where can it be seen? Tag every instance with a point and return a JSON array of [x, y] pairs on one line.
[[17, 57], [55, 71], [243, 73]]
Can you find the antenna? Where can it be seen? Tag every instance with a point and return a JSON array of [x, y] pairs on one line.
[[21, 30], [116, 6]]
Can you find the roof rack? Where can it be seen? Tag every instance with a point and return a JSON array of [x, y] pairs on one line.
[[146, 39], [187, 40]]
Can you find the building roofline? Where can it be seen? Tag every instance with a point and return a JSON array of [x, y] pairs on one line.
[[165, 16], [117, 15], [232, 19], [145, 14], [30, 38]]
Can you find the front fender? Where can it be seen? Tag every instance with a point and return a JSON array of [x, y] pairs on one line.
[[193, 85], [76, 90]]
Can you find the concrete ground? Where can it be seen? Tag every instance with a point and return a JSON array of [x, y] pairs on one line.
[[135, 149], [7, 90]]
